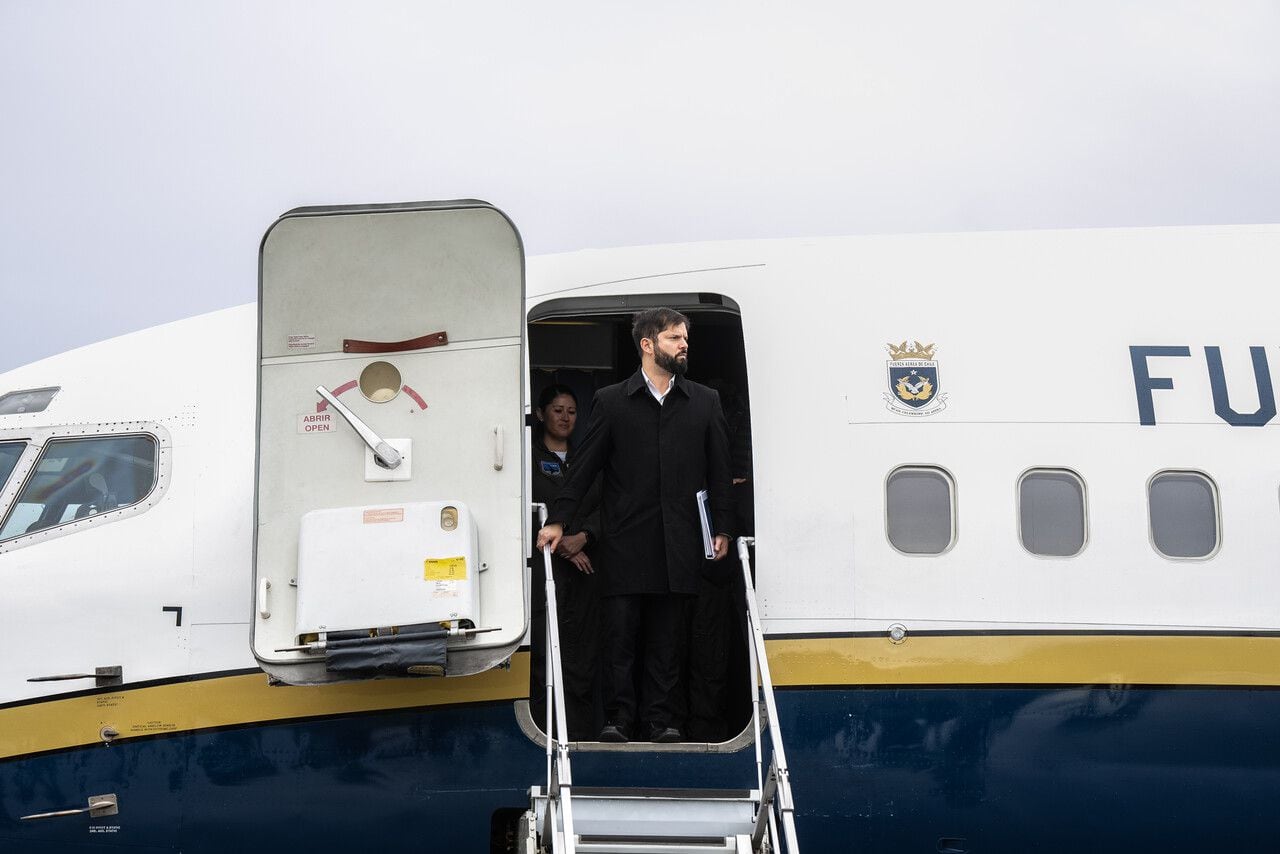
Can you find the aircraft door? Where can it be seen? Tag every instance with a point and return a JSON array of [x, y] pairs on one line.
[[390, 512]]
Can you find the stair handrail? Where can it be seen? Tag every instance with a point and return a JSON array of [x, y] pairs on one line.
[[559, 771], [753, 675], [778, 770], [764, 817]]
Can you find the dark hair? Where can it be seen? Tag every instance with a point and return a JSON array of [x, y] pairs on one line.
[[648, 323], [553, 391]]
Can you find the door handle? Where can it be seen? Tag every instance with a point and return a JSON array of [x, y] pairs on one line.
[[264, 606], [99, 805], [497, 448], [389, 455]]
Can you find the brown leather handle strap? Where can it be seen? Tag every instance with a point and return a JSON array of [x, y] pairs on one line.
[[435, 339]]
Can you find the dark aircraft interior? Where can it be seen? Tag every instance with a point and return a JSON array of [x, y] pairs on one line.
[[586, 344]]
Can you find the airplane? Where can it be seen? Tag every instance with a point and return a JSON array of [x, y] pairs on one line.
[[1010, 585]]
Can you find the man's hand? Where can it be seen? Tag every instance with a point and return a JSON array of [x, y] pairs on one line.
[[572, 544], [721, 543], [550, 535]]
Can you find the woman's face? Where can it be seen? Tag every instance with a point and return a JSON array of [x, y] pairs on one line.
[[559, 416]]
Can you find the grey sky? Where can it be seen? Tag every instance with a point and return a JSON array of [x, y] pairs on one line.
[[146, 146]]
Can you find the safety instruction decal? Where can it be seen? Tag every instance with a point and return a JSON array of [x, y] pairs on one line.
[[445, 569], [300, 342]]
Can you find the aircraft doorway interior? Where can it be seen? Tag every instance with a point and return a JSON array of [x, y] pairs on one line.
[[583, 345]]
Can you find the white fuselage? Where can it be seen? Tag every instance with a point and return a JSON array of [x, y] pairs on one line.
[[1031, 335]]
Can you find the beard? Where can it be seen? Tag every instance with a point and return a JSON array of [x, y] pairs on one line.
[[671, 363]]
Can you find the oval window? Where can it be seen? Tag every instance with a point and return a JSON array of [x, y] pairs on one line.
[[920, 510], [1051, 512], [1183, 508]]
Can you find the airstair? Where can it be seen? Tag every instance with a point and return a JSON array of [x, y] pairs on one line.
[[565, 819]]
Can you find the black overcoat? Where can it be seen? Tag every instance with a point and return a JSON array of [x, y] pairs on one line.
[[549, 477], [655, 458]]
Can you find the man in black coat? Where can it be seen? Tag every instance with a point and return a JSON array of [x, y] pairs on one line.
[[659, 438]]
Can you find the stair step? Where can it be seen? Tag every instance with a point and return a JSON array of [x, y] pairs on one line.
[[624, 845], [655, 792], [664, 817]]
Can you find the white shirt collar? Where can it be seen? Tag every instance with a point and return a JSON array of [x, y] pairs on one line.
[[653, 389]]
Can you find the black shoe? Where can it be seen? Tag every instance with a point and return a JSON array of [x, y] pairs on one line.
[[613, 734], [665, 735]]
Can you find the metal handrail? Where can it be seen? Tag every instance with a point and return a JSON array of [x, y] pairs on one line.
[[776, 807], [767, 793], [778, 770], [755, 713], [559, 772]]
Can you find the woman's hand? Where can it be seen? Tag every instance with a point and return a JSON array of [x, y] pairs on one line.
[[583, 563]]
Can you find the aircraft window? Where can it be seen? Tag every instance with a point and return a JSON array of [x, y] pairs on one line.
[[9, 454], [27, 400], [1183, 508], [78, 478], [1051, 516], [920, 510]]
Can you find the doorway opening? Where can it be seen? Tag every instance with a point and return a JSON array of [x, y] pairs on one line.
[[583, 345]]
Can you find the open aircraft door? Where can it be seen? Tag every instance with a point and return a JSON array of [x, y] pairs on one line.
[[390, 514]]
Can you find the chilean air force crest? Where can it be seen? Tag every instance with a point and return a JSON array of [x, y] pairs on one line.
[[914, 384]]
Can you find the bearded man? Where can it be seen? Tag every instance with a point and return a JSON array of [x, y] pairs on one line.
[[659, 438]]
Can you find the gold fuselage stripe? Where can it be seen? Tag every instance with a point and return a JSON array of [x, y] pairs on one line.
[[234, 701], [1045, 659], [241, 699]]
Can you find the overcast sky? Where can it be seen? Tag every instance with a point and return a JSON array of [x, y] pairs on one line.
[[146, 146]]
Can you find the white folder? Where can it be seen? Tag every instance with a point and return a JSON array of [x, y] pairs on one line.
[[708, 546]]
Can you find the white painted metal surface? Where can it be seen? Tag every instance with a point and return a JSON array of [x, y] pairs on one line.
[[96, 596], [401, 565], [1032, 335], [331, 277]]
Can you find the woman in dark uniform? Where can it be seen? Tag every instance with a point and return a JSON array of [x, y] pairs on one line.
[[577, 599]]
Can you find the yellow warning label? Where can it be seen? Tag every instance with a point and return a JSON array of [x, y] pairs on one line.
[[445, 569]]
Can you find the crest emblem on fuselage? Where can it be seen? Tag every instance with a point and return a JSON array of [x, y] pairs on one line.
[[915, 386]]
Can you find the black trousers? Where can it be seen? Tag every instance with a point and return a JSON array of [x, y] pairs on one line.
[[645, 659], [719, 680], [578, 605]]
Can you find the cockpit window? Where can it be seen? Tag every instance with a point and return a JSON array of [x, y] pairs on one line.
[[9, 454], [27, 400], [78, 478]]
